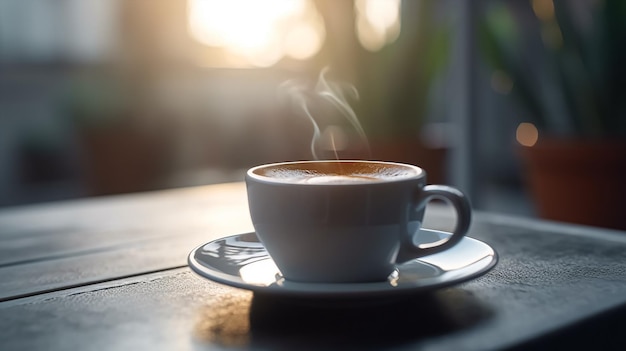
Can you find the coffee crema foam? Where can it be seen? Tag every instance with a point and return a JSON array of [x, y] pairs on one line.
[[336, 172]]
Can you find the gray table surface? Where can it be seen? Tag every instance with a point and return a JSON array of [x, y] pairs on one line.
[[110, 273]]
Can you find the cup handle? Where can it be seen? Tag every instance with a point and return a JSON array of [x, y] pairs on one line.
[[464, 216]]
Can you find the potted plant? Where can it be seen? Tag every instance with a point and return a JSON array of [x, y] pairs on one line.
[[566, 62]]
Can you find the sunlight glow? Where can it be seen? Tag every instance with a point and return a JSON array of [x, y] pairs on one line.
[[377, 22], [261, 32], [304, 41]]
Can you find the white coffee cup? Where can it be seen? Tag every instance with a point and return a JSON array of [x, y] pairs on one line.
[[345, 221]]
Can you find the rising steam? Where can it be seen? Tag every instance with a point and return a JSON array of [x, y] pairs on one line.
[[336, 94]]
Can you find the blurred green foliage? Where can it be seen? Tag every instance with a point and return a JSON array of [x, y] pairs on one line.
[[566, 60]]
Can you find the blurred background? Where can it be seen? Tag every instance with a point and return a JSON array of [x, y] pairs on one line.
[[101, 97]]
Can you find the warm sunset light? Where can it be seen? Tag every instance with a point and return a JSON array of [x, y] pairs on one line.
[[527, 134], [261, 32], [377, 22]]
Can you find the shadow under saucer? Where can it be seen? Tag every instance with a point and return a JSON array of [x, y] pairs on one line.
[[361, 323], [268, 321]]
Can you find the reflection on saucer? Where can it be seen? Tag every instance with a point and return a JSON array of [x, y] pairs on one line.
[[263, 273], [242, 261]]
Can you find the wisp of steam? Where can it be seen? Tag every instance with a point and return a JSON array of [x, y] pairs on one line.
[[303, 96]]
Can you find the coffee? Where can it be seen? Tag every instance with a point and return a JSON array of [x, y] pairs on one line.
[[336, 172]]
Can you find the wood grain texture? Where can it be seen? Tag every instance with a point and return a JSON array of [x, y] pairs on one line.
[[47, 247]]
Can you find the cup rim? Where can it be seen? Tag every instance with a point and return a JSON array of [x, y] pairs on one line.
[[250, 174]]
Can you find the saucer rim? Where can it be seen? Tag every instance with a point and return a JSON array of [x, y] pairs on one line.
[[345, 289]]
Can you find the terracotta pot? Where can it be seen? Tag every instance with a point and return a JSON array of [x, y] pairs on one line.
[[578, 181]]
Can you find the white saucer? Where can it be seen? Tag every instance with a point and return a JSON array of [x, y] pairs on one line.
[[242, 261]]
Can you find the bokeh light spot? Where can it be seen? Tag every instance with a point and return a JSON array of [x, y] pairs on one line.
[[527, 134]]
